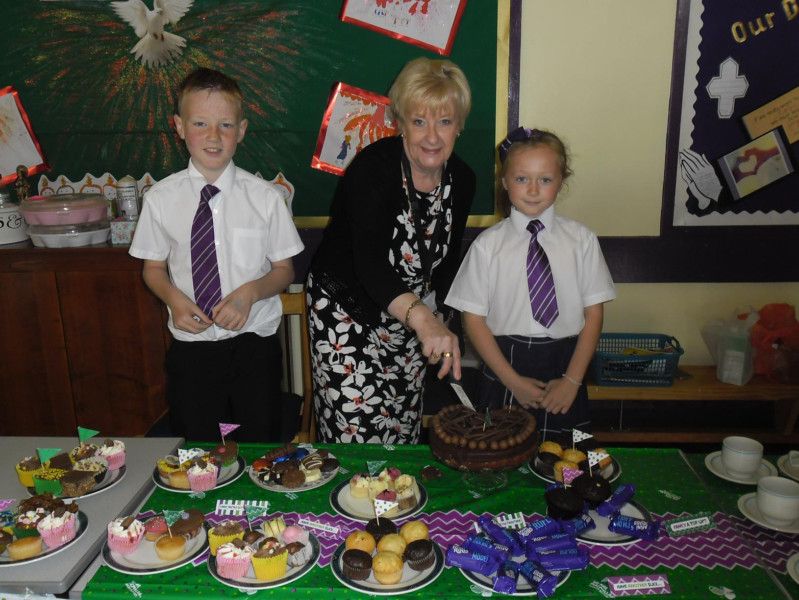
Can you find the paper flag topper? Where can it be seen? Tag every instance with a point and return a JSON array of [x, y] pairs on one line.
[[570, 474], [183, 455], [373, 466], [383, 506], [595, 457], [84, 434], [253, 512], [226, 428], [171, 516], [5, 503], [578, 436], [46, 454]]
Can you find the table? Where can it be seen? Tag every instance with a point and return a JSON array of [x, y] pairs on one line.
[[56, 575], [667, 484]]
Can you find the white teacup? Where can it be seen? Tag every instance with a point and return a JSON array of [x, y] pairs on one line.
[[778, 500], [741, 456]]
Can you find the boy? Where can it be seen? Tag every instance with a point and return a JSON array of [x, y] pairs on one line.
[[217, 244]]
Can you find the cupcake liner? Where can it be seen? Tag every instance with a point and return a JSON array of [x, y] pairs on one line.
[[232, 567], [300, 557], [26, 477], [422, 563], [122, 543], [57, 536], [268, 568], [22, 532], [215, 540], [203, 482], [116, 460]]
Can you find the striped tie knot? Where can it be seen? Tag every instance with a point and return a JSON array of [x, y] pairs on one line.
[[535, 226]]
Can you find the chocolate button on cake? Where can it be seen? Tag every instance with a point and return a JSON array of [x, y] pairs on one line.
[[356, 564]]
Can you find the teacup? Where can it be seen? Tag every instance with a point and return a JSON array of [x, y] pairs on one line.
[[741, 456], [778, 500]]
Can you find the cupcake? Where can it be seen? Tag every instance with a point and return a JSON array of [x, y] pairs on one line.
[[292, 478], [270, 563], [82, 451], [274, 527], [189, 524], [298, 554], [114, 452], [125, 534], [179, 479], [414, 530], [563, 503], [48, 480], [559, 466], [574, 455], [233, 559], [77, 483], [551, 448], [170, 547], [224, 532], [293, 533], [393, 542], [360, 540], [202, 476], [25, 525], [96, 465], [356, 564], [154, 528], [58, 528], [594, 489], [27, 468], [359, 486], [419, 555], [380, 527], [387, 568], [167, 465], [26, 547], [407, 491], [227, 453]]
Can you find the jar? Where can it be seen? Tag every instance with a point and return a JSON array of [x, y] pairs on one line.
[[127, 198], [12, 225]]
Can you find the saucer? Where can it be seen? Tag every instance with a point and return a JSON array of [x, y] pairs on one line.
[[747, 504], [792, 567], [715, 466], [787, 469]]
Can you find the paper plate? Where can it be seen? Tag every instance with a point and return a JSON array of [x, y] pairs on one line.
[[273, 487], [110, 479], [602, 536], [83, 522], [361, 509], [227, 475], [145, 561]]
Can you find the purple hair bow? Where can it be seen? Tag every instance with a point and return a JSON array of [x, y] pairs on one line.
[[520, 134]]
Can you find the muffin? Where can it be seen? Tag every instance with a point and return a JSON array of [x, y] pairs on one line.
[[551, 448], [594, 489], [97, 466], [77, 483], [574, 455], [380, 527], [226, 453], [48, 480], [563, 503], [114, 452], [387, 567], [356, 564], [270, 563], [414, 530], [170, 547], [125, 534], [202, 476], [58, 528], [419, 555], [360, 540], [26, 547], [226, 531], [233, 559], [298, 554], [392, 542], [27, 468], [154, 528]]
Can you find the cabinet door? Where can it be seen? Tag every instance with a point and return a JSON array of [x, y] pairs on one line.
[[35, 392]]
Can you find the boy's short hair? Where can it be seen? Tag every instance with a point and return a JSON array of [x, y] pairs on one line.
[[211, 80]]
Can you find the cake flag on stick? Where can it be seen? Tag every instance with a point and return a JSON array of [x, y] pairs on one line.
[[84, 434], [570, 475], [383, 506], [171, 517], [255, 511], [184, 455], [594, 458], [46, 454], [373, 466], [579, 436], [226, 428]]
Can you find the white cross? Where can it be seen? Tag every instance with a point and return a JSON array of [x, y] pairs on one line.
[[727, 87]]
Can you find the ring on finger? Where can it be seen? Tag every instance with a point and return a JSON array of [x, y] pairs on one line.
[[434, 356], [446, 354]]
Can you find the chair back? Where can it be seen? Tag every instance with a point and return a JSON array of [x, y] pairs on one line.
[[294, 303]]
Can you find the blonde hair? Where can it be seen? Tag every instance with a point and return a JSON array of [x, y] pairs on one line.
[[430, 84]]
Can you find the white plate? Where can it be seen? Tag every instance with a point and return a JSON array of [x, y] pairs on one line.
[[83, 521], [273, 487], [361, 509], [715, 466], [227, 475], [145, 561], [411, 580], [523, 587], [251, 583], [110, 479], [784, 465], [747, 504], [612, 472], [602, 536], [792, 566]]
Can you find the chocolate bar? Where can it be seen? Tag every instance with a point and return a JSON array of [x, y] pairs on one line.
[[501, 535], [564, 560], [620, 497], [541, 580], [477, 543], [460, 557], [639, 528]]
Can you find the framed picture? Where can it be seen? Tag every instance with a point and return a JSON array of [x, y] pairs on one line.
[[18, 143], [429, 24], [755, 165], [353, 119]]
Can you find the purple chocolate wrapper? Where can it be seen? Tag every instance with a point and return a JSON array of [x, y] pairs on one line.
[[639, 528], [578, 525], [505, 581], [538, 528], [559, 541], [478, 543], [541, 580], [564, 560], [458, 556], [620, 497], [501, 535]]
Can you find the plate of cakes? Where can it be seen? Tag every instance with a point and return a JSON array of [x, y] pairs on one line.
[[137, 547], [355, 498], [270, 556], [40, 527], [551, 458], [203, 472], [293, 469], [384, 560], [85, 470]]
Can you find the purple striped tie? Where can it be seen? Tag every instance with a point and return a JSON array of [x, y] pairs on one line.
[[539, 279], [204, 268]]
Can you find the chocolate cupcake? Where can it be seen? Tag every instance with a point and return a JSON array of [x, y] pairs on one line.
[[356, 564], [594, 489], [545, 462], [329, 465], [380, 527], [252, 537], [419, 555], [563, 503], [293, 478], [285, 465], [429, 472]]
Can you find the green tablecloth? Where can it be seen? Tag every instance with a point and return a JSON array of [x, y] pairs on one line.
[[665, 483]]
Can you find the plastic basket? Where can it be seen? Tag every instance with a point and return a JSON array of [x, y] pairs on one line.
[[613, 367]]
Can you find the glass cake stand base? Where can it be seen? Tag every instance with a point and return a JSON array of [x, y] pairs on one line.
[[485, 481]]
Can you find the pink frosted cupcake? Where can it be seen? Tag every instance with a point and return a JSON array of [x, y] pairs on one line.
[[57, 528], [125, 534], [233, 559], [202, 476], [293, 533], [114, 452]]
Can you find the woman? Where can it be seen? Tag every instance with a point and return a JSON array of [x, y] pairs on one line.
[[373, 295]]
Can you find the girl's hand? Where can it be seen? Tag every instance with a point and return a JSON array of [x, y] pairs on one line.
[[528, 391], [559, 396]]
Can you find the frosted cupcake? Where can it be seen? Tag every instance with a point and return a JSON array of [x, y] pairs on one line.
[[202, 476], [270, 563], [233, 559], [57, 528], [293, 533], [114, 452], [27, 468], [125, 534], [223, 533]]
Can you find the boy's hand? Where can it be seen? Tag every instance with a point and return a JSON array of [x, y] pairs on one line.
[[233, 310], [559, 396], [186, 315], [528, 391]]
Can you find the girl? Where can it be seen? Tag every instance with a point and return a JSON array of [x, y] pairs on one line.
[[531, 290]]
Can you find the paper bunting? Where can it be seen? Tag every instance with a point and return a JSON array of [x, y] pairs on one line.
[[383, 506], [226, 428], [84, 434], [595, 457], [253, 512], [578, 436], [570, 474], [171, 516], [46, 454], [373, 466], [237, 507], [5, 503]]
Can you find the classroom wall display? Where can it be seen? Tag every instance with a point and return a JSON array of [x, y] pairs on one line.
[[18, 143], [429, 24]]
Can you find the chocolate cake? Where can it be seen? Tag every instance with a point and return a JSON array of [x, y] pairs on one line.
[[460, 438]]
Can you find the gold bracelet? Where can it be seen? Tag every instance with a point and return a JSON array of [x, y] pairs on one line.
[[574, 381], [413, 305]]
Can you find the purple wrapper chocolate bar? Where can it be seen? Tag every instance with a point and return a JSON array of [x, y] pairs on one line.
[[578, 525], [501, 535], [460, 557], [640, 528], [541, 580], [564, 560], [559, 541], [538, 528], [477, 543], [619, 498], [505, 581]]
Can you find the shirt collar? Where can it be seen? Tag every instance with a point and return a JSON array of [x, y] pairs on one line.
[[224, 183], [520, 220]]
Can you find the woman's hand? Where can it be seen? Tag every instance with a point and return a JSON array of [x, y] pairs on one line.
[[559, 396], [438, 342]]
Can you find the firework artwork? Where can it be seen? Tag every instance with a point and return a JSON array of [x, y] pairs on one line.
[[425, 23], [18, 143], [353, 119]]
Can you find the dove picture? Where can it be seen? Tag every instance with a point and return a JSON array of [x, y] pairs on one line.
[[155, 46]]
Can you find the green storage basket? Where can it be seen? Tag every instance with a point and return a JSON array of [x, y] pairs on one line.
[[612, 367]]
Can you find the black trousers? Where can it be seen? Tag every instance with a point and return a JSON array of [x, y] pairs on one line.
[[543, 359], [236, 380]]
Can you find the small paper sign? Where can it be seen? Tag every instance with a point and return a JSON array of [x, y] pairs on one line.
[[237, 508], [226, 428], [6, 502], [253, 512], [373, 466], [84, 434], [511, 521], [46, 454], [690, 524], [578, 436], [594, 458], [318, 526], [570, 474], [638, 585], [461, 395], [171, 516], [383, 506]]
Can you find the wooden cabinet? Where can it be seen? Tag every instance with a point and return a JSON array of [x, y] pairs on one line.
[[82, 343]]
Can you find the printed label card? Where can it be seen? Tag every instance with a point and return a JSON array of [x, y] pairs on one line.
[[689, 524], [638, 585]]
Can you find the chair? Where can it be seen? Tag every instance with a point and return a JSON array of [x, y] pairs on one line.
[[294, 304]]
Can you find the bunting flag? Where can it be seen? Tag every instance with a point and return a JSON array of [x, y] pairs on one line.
[[6, 502], [373, 466], [226, 428], [383, 506], [184, 455], [254, 511], [46, 454], [171, 516], [578, 436], [594, 458], [570, 474], [84, 434]]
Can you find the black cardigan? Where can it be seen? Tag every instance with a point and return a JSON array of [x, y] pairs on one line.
[[352, 259]]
